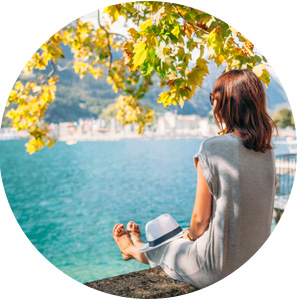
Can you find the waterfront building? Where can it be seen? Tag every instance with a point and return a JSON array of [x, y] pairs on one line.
[[10, 133]]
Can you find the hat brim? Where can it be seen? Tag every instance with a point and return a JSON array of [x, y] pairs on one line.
[[148, 248]]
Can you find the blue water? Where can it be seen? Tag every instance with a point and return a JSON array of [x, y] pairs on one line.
[[68, 198]]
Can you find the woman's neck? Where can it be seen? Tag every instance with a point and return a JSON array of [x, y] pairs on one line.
[[236, 132]]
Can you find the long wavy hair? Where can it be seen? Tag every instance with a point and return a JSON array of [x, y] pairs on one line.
[[241, 105]]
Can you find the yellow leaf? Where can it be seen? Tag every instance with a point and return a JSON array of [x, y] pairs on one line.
[[113, 13], [32, 146], [182, 10], [53, 80], [67, 36], [133, 32], [176, 31], [51, 142], [146, 24], [36, 89], [235, 32], [188, 29], [248, 47], [262, 74], [140, 54], [181, 101], [165, 98], [234, 64], [258, 70]]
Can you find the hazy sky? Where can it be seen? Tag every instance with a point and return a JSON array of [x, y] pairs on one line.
[[117, 26]]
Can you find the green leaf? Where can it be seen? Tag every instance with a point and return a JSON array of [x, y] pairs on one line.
[[197, 74], [191, 44], [257, 58], [146, 68], [215, 42], [161, 72], [170, 18], [180, 53], [265, 78]]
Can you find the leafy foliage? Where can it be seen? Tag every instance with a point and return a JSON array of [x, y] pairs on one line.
[[33, 100], [163, 44], [284, 118]]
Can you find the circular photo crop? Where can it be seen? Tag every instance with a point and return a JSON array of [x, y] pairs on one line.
[[148, 137]]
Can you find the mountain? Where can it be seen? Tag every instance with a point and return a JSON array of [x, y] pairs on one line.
[[276, 96]]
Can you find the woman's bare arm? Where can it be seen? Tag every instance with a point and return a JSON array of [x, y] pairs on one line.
[[202, 206]]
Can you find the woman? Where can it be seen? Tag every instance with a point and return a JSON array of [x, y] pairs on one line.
[[234, 200]]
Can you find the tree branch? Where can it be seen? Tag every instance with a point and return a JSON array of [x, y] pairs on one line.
[[108, 39], [59, 68], [53, 69], [118, 34], [42, 78]]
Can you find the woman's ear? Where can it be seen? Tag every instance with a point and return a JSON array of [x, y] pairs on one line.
[[214, 104]]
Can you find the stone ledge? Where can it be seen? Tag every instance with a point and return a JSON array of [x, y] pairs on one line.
[[151, 283]]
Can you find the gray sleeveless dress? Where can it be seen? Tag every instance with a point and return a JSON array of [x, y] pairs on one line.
[[242, 184]]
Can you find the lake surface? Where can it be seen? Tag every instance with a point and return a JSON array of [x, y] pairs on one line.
[[68, 198]]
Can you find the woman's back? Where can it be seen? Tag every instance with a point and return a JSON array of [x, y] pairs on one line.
[[232, 214], [242, 183]]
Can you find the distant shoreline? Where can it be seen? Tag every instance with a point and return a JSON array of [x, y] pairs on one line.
[[119, 138], [71, 139]]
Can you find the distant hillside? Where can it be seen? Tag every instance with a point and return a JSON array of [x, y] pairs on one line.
[[86, 98]]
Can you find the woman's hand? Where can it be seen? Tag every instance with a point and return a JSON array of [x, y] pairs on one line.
[[185, 234]]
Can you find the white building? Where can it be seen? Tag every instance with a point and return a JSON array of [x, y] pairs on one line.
[[188, 124], [208, 128], [10, 133]]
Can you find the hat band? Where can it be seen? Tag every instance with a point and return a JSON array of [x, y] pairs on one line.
[[165, 237]]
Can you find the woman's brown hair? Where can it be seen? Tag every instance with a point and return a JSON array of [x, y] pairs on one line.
[[241, 105]]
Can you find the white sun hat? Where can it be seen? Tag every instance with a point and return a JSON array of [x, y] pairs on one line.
[[160, 231]]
